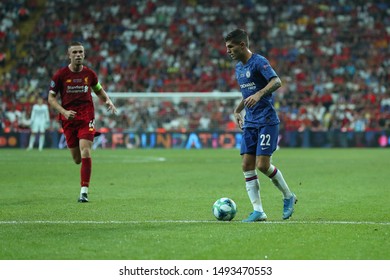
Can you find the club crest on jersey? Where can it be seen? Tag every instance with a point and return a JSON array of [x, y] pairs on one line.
[[248, 74], [52, 84], [86, 80]]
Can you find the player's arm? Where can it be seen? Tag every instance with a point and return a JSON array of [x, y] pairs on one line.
[[237, 114], [102, 94], [52, 100], [272, 85], [33, 112]]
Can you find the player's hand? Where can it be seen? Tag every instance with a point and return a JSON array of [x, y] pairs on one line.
[[110, 106], [239, 120], [251, 100], [70, 115]]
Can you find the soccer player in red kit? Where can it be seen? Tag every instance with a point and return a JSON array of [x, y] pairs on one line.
[[76, 111]]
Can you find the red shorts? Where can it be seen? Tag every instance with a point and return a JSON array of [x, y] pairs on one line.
[[76, 130]]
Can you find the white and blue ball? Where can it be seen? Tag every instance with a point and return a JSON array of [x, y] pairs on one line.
[[224, 209]]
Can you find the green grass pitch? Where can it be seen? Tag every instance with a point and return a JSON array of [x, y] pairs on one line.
[[156, 205]]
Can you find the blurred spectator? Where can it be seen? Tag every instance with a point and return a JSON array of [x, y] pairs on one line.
[[333, 57]]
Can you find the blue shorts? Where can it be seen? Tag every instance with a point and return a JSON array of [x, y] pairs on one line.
[[261, 141]]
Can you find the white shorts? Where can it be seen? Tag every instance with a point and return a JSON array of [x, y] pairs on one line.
[[38, 127]]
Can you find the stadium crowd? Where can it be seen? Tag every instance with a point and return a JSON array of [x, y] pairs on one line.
[[332, 57]]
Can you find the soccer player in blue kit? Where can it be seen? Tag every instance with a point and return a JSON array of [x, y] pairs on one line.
[[260, 126]]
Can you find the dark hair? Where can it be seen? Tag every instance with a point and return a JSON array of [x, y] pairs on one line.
[[237, 36]]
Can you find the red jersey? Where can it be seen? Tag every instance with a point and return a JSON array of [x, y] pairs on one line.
[[75, 91]]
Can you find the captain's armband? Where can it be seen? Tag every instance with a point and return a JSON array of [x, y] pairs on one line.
[[97, 87]]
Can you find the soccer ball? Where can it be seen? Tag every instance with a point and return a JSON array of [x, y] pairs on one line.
[[224, 209]]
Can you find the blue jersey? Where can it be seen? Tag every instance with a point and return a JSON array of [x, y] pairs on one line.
[[252, 77]]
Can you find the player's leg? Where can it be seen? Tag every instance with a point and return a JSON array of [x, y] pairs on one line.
[[276, 176], [73, 143], [34, 131], [31, 141], [86, 133], [252, 184], [41, 136], [86, 168], [76, 155], [85, 171], [72, 140], [267, 145]]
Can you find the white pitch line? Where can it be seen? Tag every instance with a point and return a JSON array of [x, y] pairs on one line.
[[195, 222]]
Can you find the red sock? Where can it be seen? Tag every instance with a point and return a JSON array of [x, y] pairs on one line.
[[86, 169]]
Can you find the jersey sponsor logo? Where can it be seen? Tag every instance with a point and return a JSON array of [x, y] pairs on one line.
[[76, 89], [246, 85]]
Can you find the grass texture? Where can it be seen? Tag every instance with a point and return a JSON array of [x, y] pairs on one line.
[[155, 204]]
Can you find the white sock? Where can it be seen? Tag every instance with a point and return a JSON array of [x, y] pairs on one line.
[[84, 190], [253, 188], [32, 140], [41, 141], [277, 179]]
